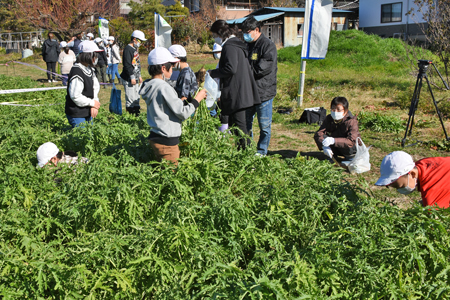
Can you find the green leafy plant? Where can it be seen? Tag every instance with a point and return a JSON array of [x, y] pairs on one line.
[[380, 123]]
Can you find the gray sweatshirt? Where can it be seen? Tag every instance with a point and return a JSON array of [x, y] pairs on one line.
[[165, 111]]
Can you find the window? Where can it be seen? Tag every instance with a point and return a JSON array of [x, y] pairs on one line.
[[299, 30], [391, 12]]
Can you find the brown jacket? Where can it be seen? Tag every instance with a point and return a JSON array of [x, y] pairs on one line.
[[345, 133]]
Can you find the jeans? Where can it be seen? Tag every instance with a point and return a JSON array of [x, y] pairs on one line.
[[264, 115], [76, 122], [114, 71], [65, 78]]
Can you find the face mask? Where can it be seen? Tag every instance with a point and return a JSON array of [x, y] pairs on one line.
[[218, 40], [407, 190], [248, 37], [337, 115], [137, 45], [216, 55], [111, 42], [95, 61]]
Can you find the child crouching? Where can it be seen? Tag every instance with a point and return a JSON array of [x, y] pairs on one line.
[[165, 111]]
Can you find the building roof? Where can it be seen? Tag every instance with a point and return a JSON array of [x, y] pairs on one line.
[[346, 4], [272, 12], [258, 18]]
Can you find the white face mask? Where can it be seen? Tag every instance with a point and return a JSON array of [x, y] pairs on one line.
[[218, 40], [137, 45], [407, 190], [336, 115], [217, 55]]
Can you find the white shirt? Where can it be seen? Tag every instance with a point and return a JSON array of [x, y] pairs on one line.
[[76, 87]]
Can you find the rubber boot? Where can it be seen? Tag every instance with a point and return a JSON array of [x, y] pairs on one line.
[[137, 111]]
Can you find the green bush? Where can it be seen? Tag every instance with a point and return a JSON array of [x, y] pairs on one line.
[[379, 122], [224, 224]]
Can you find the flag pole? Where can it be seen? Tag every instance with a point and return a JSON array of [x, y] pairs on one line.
[[301, 84]]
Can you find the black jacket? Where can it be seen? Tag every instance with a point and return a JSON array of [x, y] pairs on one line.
[[262, 56], [131, 64], [102, 58], [50, 51], [238, 87]]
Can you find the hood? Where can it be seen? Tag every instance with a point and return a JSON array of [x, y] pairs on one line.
[[50, 42], [236, 42]]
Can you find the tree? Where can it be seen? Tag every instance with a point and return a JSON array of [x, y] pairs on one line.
[[66, 17], [436, 28], [8, 19], [177, 10], [142, 14]]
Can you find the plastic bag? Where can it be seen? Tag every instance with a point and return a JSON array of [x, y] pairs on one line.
[[361, 161], [212, 90], [115, 104]]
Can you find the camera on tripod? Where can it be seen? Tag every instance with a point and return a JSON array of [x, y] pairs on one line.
[[423, 67]]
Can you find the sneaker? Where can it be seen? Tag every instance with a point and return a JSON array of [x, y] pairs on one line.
[[259, 154], [54, 80], [49, 81]]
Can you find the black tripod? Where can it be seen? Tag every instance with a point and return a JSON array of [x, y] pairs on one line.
[[423, 68]]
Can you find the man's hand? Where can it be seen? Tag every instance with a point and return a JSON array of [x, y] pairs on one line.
[[328, 152], [94, 112], [96, 104], [133, 81], [141, 80], [200, 95], [328, 142]]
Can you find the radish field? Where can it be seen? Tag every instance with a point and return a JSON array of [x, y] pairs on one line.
[[223, 225]]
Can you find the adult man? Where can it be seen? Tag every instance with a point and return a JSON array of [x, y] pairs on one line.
[[76, 43], [262, 55], [131, 73], [430, 175], [50, 54]]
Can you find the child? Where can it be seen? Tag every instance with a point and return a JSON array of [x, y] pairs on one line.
[[339, 131], [48, 153], [165, 111], [186, 82], [217, 51], [66, 60]]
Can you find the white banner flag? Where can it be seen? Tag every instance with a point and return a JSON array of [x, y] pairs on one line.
[[162, 32], [317, 26], [103, 28]]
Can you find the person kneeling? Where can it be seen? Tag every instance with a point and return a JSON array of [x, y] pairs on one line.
[[49, 154], [339, 132], [165, 111]]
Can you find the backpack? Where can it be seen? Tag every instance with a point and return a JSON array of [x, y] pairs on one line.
[[313, 115]]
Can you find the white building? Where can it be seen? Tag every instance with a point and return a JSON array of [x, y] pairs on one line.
[[390, 18]]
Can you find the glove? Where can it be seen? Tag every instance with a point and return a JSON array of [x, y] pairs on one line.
[[328, 152], [223, 127], [328, 142]]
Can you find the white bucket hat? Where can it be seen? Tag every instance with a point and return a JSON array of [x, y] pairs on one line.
[[217, 48], [177, 51], [98, 40], [89, 46], [46, 152], [139, 35], [393, 166], [90, 35], [159, 56], [111, 38], [63, 44]]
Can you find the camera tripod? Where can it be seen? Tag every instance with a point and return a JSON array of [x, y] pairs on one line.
[[423, 68]]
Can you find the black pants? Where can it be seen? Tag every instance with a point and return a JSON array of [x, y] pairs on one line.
[[51, 67], [238, 119]]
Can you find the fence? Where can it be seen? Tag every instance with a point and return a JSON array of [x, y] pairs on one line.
[[17, 41]]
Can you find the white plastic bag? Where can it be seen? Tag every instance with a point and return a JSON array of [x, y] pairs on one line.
[[212, 90], [361, 161]]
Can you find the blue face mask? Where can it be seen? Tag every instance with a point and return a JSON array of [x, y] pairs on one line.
[[248, 38]]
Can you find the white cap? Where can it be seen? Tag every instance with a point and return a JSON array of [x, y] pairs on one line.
[[393, 166], [217, 48], [139, 35], [63, 44], [111, 38], [177, 51], [98, 40], [45, 152], [89, 46], [159, 56], [90, 35]]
